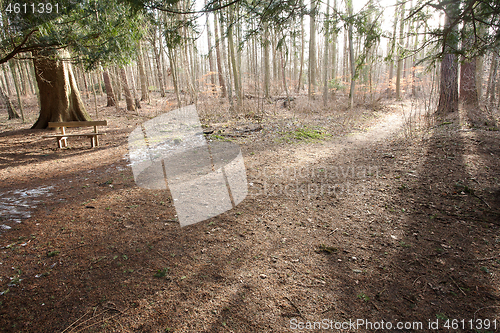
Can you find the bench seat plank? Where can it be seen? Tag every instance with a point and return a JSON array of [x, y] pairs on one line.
[[68, 135], [78, 123]]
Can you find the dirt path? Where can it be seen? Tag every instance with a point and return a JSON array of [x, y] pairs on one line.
[[382, 129]]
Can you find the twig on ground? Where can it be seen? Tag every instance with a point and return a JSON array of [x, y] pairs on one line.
[[413, 284], [486, 259], [76, 321], [486, 307], [100, 321], [456, 284], [296, 308]]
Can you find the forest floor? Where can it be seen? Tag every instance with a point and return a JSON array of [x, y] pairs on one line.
[[367, 219]]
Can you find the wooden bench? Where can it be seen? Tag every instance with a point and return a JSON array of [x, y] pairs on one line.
[[61, 138]]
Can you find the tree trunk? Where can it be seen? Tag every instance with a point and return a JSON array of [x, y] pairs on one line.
[[18, 88], [490, 89], [392, 50], [448, 94], [10, 109], [173, 67], [7, 82], [142, 76], [126, 90], [312, 50], [136, 99], [334, 47], [400, 51], [158, 64], [226, 61], [468, 89], [118, 85], [267, 73], [60, 99], [219, 62], [109, 89], [210, 53], [302, 32], [325, 56], [232, 55], [351, 57]]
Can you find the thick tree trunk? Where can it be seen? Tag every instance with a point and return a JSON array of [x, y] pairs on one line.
[[468, 89], [109, 89], [448, 94], [60, 99], [126, 90]]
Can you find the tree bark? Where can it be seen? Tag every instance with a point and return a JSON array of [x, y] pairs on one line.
[[226, 61], [220, 70], [267, 69], [210, 53], [448, 94], [10, 109], [400, 51], [232, 55], [392, 49], [142, 75], [325, 56], [126, 90], [7, 82], [312, 50], [351, 57], [334, 47], [109, 89], [60, 99], [158, 64], [302, 33], [490, 89], [468, 89], [18, 88]]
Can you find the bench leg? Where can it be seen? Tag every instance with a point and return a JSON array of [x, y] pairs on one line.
[[96, 140], [61, 143], [92, 142]]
